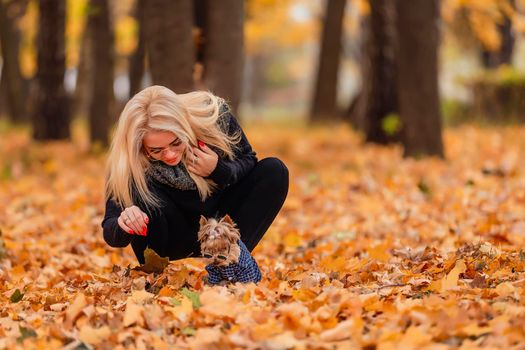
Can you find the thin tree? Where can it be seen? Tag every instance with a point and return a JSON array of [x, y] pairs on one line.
[[378, 98], [170, 48], [503, 54], [51, 115], [418, 36], [102, 89], [13, 84], [137, 59], [224, 49], [324, 104]]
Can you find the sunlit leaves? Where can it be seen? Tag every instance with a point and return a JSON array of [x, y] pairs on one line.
[[369, 251]]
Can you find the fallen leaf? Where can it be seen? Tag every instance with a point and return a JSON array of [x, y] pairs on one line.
[[94, 336], [16, 296], [141, 296], [450, 281], [193, 296], [74, 310], [133, 314], [153, 262]]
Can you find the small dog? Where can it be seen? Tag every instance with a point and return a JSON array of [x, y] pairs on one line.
[[229, 259]]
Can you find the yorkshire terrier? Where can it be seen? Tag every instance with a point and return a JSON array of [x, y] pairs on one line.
[[229, 260]]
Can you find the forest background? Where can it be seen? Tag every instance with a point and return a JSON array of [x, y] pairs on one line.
[[401, 123]]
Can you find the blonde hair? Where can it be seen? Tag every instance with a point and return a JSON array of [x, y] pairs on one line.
[[191, 117]]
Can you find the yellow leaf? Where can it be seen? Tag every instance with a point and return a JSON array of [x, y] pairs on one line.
[[292, 240], [331, 263], [133, 314], [451, 280], [74, 310], [414, 338], [505, 289], [303, 295], [166, 291], [217, 304], [184, 310], [94, 336], [475, 330], [141, 296], [380, 252], [342, 331]]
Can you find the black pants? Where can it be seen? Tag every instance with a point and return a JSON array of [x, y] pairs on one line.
[[253, 203]]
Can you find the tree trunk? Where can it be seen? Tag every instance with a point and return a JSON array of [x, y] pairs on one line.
[[379, 95], [324, 106], [169, 41], [102, 88], [14, 86], [82, 97], [51, 115], [418, 36], [224, 49], [494, 59], [137, 60]]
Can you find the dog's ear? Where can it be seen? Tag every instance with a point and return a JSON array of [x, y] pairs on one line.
[[202, 221], [227, 219], [233, 235]]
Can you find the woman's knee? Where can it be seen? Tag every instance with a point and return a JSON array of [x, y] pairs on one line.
[[275, 173]]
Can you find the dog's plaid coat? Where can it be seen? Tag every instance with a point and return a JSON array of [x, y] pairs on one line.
[[246, 270]]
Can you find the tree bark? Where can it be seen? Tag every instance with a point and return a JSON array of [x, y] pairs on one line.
[[170, 49], [102, 88], [137, 60], [494, 59], [418, 36], [224, 50], [13, 84], [379, 95], [51, 115], [82, 97], [324, 106]]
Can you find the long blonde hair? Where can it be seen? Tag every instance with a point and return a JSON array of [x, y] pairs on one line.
[[191, 117]]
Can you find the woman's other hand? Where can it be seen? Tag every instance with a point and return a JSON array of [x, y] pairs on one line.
[[203, 161], [134, 221]]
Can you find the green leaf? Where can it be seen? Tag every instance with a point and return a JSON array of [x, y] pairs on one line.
[[391, 124], [3, 250], [424, 187], [154, 263], [175, 302], [25, 333], [193, 296], [189, 331], [82, 346], [16, 296]]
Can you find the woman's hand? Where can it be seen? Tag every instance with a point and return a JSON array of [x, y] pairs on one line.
[[203, 161], [134, 221]]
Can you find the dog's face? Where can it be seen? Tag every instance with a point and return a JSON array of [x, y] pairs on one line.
[[218, 240]]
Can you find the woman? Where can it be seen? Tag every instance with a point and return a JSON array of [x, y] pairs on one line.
[[175, 157]]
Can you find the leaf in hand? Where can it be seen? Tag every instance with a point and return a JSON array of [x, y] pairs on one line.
[[154, 263]]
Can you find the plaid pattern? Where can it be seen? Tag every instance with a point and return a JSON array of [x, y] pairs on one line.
[[246, 270]]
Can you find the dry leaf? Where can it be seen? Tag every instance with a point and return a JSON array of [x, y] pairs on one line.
[[94, 336], [153, 262], [133, 314]]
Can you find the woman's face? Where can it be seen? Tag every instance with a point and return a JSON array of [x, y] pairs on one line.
[[164, 146]]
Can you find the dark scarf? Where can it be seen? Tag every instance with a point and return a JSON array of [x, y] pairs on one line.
[[174, 176]]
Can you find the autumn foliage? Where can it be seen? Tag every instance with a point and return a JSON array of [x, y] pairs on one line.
[[370, 250]]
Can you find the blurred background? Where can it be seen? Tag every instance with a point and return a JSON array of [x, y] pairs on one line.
[[396, 71]]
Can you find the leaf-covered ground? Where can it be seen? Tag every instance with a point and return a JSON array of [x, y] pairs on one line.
[[370, 250]]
